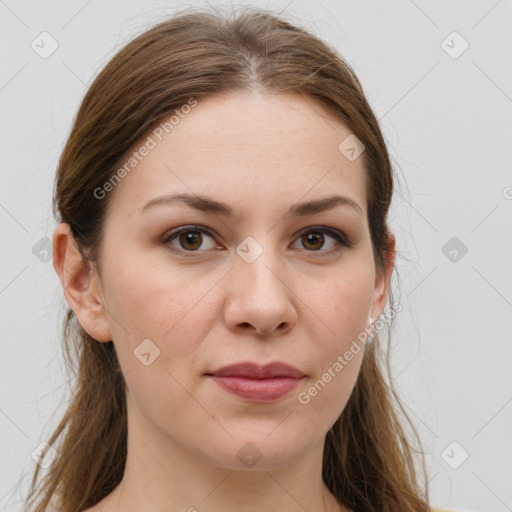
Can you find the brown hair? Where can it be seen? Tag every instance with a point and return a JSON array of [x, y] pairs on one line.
[[368, 464]]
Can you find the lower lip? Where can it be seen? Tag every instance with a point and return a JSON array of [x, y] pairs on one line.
[[257, 390]]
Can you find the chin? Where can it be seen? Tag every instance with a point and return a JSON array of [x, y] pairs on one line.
[[256, 452]]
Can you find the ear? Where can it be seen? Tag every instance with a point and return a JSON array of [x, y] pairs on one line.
[[81, 284], [383, 279]]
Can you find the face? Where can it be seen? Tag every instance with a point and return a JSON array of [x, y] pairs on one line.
[[189, 287]]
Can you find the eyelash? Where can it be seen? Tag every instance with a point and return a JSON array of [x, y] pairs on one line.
[[341, 239]]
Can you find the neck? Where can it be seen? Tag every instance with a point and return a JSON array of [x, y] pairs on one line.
[[162, 476]]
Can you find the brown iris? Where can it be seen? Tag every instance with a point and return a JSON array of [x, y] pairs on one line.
[[316, 239], [191, 238]]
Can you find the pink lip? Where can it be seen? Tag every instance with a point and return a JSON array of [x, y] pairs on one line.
[[258, 383]]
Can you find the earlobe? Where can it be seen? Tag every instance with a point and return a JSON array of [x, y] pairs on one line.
[[80, 284]]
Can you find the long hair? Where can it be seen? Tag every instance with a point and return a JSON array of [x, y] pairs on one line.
[[369, 462]]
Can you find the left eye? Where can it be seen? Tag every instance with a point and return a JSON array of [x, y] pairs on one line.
[[315, 239], [191, 238]]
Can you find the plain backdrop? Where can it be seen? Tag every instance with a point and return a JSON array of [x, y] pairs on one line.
[[439, 77]]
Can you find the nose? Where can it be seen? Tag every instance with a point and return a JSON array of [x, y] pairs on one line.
[[260, 298]]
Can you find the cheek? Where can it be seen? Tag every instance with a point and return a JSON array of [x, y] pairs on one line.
[[339, 306], [148, 303], [337, 367], [154, 300], [326, 393], [337, 329]]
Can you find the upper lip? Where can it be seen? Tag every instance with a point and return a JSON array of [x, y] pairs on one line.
[[256, 371]]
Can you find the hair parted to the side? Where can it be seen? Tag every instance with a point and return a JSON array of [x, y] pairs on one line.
[[369, 461]]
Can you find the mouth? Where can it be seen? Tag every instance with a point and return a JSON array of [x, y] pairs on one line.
[[258, 383]]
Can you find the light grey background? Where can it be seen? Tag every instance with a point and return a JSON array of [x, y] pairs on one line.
[[447, 120]]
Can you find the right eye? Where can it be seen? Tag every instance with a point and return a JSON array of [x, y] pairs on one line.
[[188, 239]]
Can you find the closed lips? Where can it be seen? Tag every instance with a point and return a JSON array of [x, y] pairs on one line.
[[257, 383], [251, 370]]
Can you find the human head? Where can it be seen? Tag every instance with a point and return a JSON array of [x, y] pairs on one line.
[[256, 59]]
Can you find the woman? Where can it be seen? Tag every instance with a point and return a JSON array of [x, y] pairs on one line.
[[223, 246]]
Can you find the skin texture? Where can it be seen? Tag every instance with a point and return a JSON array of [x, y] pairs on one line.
[[209, 308]]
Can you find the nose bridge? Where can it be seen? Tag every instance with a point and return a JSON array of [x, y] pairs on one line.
[[258, 265]]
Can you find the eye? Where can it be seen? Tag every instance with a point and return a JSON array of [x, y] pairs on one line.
[[189, 238], [314, 239]]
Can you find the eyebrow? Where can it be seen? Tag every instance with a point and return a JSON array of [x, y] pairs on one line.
[[206, 204]]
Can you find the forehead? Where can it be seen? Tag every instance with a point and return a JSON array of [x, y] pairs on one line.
[[271, 148]]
